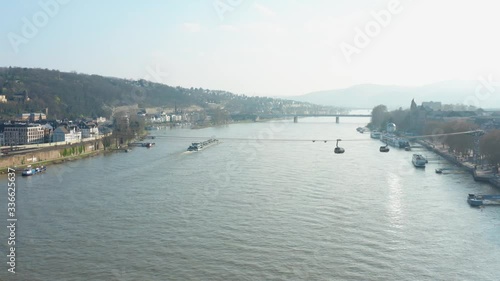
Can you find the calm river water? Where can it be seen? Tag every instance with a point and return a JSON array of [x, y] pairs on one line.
[[271, 209]]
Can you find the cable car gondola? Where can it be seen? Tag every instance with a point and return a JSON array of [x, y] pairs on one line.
[[338, 150]]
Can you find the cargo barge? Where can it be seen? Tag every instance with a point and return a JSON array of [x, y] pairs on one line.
[[480, 200], [198, 146]]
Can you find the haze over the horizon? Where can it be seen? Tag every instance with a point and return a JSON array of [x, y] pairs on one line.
[[257, 47]]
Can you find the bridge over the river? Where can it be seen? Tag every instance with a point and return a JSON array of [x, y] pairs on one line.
[[296, 116]]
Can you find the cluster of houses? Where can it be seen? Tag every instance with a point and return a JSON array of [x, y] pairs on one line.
[[34, 128], [435, 111], [162, 117]]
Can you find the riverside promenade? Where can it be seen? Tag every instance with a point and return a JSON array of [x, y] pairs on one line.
[[479, 173]]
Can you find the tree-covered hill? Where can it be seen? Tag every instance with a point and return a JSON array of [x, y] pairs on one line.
[[70, 95]]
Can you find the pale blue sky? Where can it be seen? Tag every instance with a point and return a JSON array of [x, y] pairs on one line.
[[262, 47]]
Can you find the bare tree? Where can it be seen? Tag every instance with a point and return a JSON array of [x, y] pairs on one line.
[[490, 147]]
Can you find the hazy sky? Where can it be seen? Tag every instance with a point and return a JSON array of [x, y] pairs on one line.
[[257, 47]]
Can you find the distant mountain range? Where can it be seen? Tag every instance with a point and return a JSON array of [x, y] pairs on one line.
[[370, 95]]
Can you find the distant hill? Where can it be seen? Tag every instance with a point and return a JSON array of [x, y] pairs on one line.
[[72, 95], [370, 95]]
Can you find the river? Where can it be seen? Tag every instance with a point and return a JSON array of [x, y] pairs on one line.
[[247, 209]]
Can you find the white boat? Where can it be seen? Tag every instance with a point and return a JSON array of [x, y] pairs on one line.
[[419, 160], [394, 140], [28, 171]]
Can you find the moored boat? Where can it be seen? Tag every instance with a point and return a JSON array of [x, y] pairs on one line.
[[394, 140], [40, 169], [479, 200], [375, 134], [384, 148], [148, 144], [418, 160], [28, 171]]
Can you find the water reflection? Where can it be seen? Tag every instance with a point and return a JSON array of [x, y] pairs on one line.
[[394, 206]]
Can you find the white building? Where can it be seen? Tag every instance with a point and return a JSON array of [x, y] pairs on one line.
[[175, 118], [100, 120], [67, 134], [23, 133], [88, 130]]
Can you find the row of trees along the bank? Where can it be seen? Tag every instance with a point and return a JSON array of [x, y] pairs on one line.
[[462, 144], [125, 128], [381, 116]]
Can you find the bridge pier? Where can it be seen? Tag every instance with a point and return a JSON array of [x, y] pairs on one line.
[[295, 119], [337, 119]]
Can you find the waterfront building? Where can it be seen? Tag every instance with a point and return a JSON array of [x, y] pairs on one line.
[[68, 133], [23, 133], [48, 130], [88, 129]]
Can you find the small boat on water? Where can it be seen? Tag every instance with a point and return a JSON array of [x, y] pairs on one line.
[[360, 130], [384, 148], [29, 171], [479, 200], [148, 144], [419, 160]]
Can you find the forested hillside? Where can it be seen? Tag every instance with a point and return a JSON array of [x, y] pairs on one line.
[[70, 95]]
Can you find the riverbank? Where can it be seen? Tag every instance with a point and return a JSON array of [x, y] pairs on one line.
[[481, 173], [50, 155], [60, 154]]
